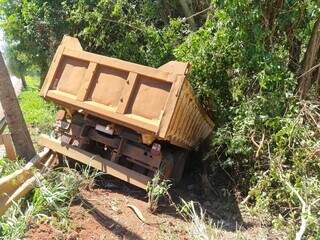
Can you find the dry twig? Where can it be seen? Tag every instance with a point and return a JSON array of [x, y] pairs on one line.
[[310, 70], [198, 13], [260, 145], [305, 211]]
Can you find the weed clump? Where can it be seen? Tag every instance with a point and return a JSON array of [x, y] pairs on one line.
[[157, 188], [49, 202], [199, 226]]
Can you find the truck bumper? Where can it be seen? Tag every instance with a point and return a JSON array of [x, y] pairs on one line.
[[95, 161]]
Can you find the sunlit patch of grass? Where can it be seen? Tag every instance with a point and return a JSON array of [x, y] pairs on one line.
[[49, 202], [8, 166], [37, 112], [14, 223], [200, 227]]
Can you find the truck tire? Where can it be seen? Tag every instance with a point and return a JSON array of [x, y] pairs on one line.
[[167, 165], [180, 157]]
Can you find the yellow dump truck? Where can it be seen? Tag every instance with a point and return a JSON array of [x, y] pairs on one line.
[[125, 119]]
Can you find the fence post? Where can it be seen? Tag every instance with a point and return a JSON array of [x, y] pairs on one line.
[[13, 115]]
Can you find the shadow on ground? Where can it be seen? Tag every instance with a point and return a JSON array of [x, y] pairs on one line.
[[220, 205], [218, 201]]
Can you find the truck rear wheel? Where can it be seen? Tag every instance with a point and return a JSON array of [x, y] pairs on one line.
[[167, 165], [180, 157], [173, 163]]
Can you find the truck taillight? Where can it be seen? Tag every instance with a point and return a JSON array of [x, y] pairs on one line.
[[155, 149]]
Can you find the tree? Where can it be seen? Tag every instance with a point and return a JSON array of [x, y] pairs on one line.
[[14, 118], [35, 28], [136, 31], [141, 31], [247, 65], [188, 12], [309, 71]]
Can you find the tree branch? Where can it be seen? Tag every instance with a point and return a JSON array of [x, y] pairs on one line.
[[305, 210], [198, 13], [310, 70]]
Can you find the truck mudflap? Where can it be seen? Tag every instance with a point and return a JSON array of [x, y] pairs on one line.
[[95, 161]]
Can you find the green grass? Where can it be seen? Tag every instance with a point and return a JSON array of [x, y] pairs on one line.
[[49, 202], [7, 166], [37, 112]]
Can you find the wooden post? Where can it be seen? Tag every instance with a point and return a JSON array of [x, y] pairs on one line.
[[13, 115], [8, 145]]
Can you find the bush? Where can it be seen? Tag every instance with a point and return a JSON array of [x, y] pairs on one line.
[[264, 137]]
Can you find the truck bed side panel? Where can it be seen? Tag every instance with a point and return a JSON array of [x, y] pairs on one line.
[[189, 123]]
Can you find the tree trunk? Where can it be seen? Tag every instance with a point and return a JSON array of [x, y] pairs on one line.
[[14, 118], [307, 75], [23, 80], [188, 13], [43, 73], [294, 49], [271, 10]]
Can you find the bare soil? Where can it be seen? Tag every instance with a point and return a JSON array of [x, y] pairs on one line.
[[103, 213]]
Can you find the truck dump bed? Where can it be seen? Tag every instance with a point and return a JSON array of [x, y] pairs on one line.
[[154, 102]]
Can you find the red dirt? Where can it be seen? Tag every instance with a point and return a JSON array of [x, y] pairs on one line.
[[104, 214], [40, 231]]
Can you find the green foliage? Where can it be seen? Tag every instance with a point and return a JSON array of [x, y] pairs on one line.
[[209, 75], [245, 57], [55, 194], [37, 112], [34, 29], [13, 227], [241, 74], [8, 166], [126, 30], [49, 202], [138, 31], [293, 158]]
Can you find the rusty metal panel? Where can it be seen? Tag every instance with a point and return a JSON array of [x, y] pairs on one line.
[[149, 98], [107, 86], [69, 75]]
